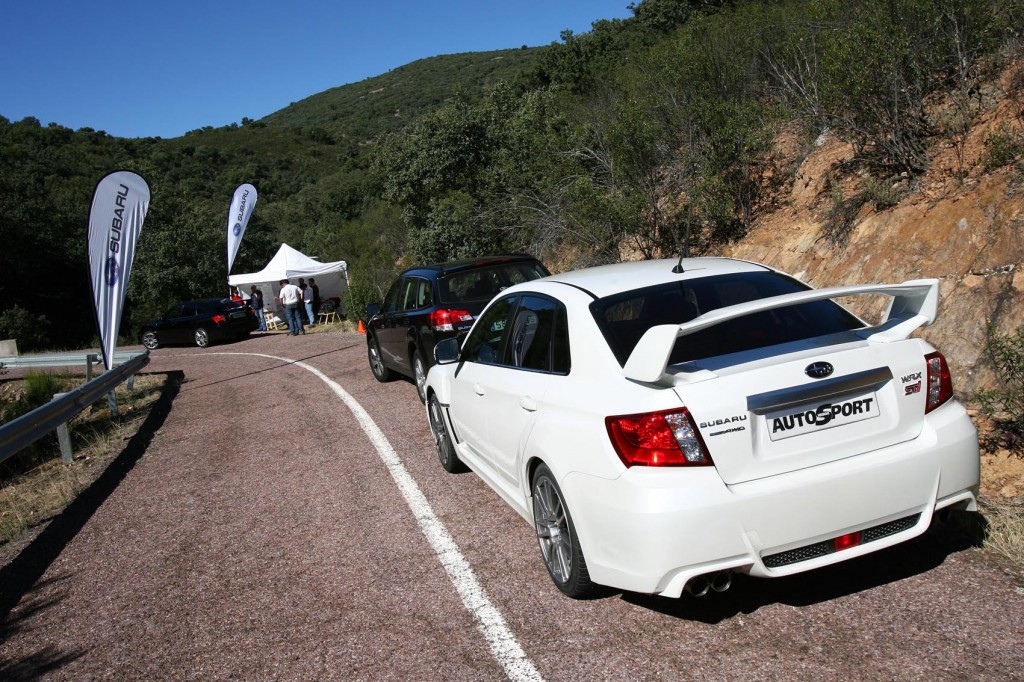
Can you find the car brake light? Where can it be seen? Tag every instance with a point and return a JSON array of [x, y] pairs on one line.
[[667, 438], [940, 383], [217, 319], [444, 320]]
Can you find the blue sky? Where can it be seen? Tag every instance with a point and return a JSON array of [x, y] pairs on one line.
[[137, 69]]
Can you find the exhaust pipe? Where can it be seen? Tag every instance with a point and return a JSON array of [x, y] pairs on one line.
[[698, 586], [721, 581]]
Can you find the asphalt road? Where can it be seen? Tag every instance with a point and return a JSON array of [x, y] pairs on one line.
[[263, 526]]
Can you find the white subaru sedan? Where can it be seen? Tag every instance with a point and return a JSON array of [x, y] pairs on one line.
[[664, 425]]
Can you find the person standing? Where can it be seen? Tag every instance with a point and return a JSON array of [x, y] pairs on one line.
[[307, 300], [316, 296], [290, 297], [256, 303]]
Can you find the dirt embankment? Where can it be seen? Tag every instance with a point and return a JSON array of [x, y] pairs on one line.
[[965, 228], [960, 222]]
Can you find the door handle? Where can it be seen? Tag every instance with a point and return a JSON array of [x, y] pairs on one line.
[[478, 389], [527, 403]]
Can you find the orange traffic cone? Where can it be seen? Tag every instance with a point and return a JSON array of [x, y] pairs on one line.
[[361, 328]]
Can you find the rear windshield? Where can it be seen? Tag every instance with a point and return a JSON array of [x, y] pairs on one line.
[[623, 318], [483, 284]]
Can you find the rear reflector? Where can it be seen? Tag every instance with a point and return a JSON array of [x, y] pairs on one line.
[[667, 438], [940, 383], [847, 541]]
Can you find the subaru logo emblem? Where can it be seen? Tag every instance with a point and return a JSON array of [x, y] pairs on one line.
[[237, 229], [819, 370], [111, 271]]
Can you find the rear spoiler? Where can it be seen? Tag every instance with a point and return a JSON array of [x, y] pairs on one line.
[[915, 303]]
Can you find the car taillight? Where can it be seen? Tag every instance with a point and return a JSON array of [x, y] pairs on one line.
[[940, 383], [444, 320], [217, 319], [666, 439]]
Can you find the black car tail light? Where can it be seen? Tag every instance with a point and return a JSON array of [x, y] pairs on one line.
[[444, 320]]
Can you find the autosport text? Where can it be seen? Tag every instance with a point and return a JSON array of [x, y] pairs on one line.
[[822, 415]]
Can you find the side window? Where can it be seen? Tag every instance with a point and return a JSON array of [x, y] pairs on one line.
[[391, 300], [485, 342], [408, 297], [424, 295], [539, 338]]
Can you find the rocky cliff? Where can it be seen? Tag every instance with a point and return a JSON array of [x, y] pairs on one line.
[[965, 228]]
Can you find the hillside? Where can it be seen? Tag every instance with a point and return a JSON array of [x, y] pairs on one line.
[[362, 111], [967, 231]]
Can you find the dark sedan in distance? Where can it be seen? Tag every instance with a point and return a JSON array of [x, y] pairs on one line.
[[200, 322]]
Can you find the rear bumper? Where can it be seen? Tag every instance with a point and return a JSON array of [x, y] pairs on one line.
[[234, 329], [652, 530]]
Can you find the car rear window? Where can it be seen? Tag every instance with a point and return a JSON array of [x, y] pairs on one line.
[[625, 317], [483, 284]]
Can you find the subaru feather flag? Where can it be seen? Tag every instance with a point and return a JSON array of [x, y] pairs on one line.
[[119, 206], [238, 217]]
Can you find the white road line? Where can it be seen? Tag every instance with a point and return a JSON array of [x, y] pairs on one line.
[[503, 642]]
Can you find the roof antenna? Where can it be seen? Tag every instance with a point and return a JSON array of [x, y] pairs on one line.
[[684, 252]]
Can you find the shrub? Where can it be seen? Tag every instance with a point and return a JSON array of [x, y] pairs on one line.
[[882, 193], [1001, 148], [30, 330], [1004, 405], [360, 293], [40, 388]]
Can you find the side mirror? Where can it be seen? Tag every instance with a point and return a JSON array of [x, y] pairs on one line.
[[447, 351], [372, 309]]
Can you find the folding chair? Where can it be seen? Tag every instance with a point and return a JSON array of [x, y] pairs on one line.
[[328, 313], [272, 323]]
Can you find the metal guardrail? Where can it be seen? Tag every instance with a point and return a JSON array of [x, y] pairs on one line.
[[28, 428], [66, 359]]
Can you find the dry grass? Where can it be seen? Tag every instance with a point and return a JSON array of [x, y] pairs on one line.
[[1005, 532], [1002, 499], [41, 492]]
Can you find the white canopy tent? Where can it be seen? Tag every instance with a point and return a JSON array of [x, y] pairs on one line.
[[289, 263]]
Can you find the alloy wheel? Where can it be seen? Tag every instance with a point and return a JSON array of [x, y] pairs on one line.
[[553, 532]]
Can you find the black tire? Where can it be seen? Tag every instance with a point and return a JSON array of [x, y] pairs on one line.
[[419, 374], [556, 535], [150, 341], [202, 337], [450, 462], [380, 372]]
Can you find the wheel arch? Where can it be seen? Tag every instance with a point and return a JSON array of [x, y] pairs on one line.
[[551, 436]]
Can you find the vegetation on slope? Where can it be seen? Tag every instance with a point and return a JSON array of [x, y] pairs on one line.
[[639, 135]]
